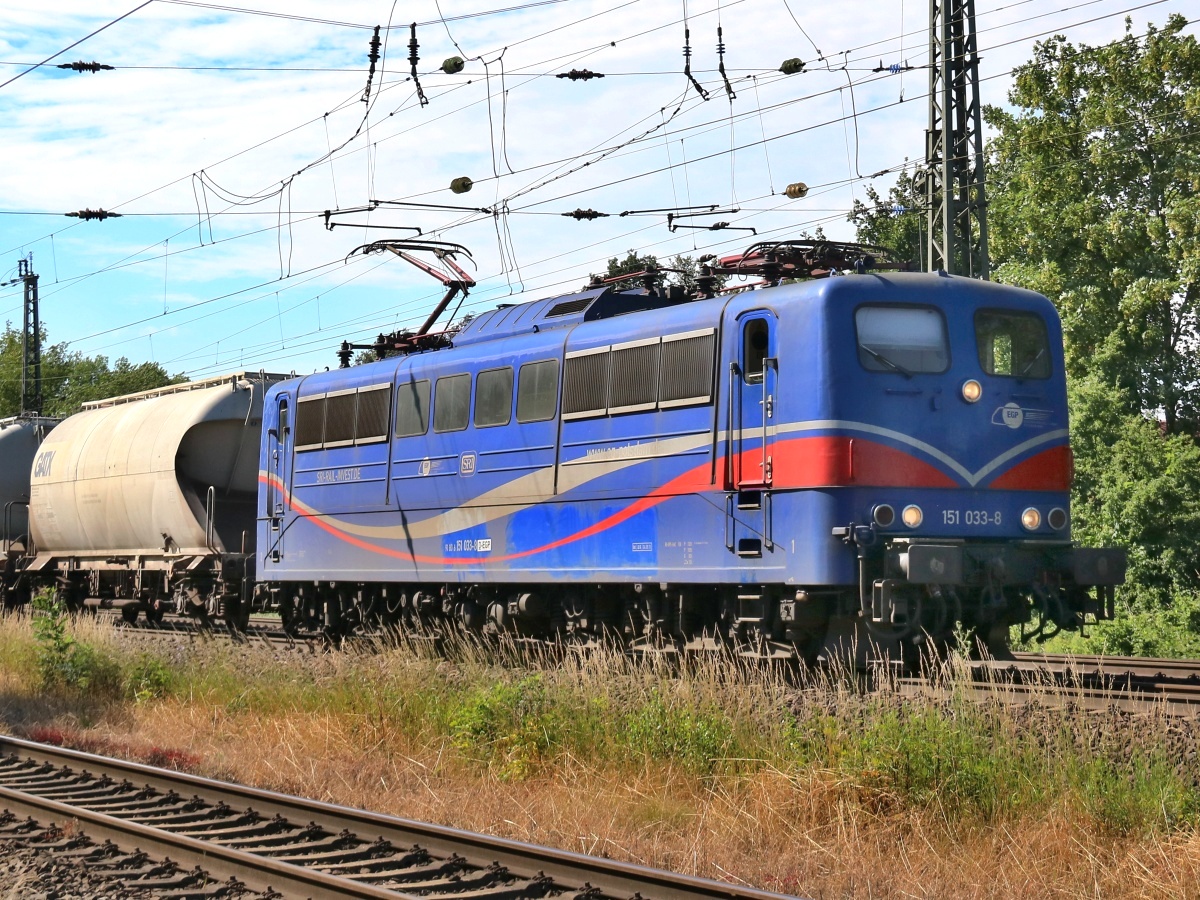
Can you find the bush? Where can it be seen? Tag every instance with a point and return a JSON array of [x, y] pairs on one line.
[[511, 727], [63, 662]]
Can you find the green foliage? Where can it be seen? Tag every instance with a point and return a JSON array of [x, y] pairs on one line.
[[686, 269], [896, 223], [949, 758], [1137, 488], [63, 662], [512, 727], [1094, 200], [697, 739], [69, 378], [147, 678]]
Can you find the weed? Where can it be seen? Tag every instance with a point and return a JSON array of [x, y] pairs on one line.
[[696, 739], [512, 727], [147, 678], [63, 661]]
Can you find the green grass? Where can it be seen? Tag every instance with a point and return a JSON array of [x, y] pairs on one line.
[[965, 761]]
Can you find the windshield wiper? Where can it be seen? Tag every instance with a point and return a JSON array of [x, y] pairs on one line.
[[1029, 365], [880, 358]]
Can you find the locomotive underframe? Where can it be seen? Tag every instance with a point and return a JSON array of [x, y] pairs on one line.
[[910, 592]]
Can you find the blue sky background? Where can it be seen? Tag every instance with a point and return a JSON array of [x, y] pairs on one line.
[[206, 135]]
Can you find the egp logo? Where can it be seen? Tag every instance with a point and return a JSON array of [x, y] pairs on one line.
[[425, 466], [1009, 414]]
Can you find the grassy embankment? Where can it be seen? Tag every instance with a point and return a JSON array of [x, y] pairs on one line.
[[724, 770]]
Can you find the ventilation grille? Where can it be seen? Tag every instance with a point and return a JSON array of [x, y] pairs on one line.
[[585, 384], [339, 419], [373, 409], [310, 422], [687, 370], [579, 304], [634, 378]]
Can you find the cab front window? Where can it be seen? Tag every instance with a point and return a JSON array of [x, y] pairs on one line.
[[903, 339], [1012, 344]]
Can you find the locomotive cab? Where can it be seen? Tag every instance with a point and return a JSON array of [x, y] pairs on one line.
[[951, 396]]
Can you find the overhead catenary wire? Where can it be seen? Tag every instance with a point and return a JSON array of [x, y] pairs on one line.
[[1140, 7]]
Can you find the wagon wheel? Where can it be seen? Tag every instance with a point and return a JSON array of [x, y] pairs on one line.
[[236, 614], [155, 610]]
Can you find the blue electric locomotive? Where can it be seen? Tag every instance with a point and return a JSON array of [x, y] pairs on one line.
[[865, 459]]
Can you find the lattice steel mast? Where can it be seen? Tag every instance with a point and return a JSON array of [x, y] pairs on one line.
[[31, 342], [954, 185]]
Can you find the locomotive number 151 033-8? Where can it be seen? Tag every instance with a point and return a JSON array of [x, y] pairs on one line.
[[971, 517]]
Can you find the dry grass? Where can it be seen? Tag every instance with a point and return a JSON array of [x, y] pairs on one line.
[[401, 732]]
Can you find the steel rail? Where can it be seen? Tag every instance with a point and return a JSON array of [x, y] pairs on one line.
[[547, 870], [259, 873]]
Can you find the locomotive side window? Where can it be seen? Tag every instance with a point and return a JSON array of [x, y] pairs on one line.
[[339, 418], [493, 397], [755, 345], [374, 404], [903, 339], [537, 391], [412, 408], [1012, 344], [452, 403], [310, 422]]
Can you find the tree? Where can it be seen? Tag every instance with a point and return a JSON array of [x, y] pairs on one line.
[[70, 379], [896, 223], [1094, 200], [1137, 488], [686, 269]]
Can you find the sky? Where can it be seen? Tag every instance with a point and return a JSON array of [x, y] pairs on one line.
[[224, 132]]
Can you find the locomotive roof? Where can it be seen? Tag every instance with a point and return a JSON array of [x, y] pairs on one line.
[[565, 310], [559, 312], [233, 379]]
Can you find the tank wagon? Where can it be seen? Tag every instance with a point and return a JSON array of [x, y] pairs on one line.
[[147, 501], [799, 469], [20, 437]]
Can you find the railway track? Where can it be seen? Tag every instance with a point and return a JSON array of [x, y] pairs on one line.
[[1133, 683], [221, 838]]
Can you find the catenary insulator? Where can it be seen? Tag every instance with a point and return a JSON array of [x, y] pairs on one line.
[[452, 65], [792, 66], [461, 185], [796, 190]]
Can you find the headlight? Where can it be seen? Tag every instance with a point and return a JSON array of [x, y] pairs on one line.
[[912, 516], [884, 515], [1057, 518], [1031, 519], [972, 390]]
